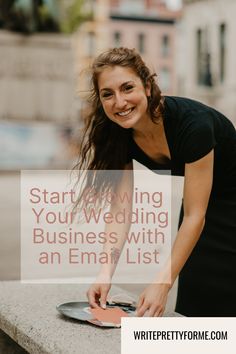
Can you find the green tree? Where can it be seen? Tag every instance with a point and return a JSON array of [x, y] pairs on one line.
[[11, 19], [36, 18], [42, 19], [75, 15]]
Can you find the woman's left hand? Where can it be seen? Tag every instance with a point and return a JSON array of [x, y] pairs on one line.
[[152, 301]]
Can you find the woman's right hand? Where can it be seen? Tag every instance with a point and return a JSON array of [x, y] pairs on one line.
[[98, 291]]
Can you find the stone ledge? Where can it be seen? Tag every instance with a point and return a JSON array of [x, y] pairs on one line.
[[28, 315]]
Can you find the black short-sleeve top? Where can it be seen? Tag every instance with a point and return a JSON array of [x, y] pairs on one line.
[[192, 130]]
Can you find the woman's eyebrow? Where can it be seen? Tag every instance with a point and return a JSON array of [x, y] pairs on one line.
[[126, 83], [122, 85]]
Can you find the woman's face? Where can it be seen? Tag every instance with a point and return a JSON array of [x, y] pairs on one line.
[[123, 96]]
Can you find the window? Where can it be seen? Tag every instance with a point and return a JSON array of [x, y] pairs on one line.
[[222, 51], [117, 39], [141, 43], [204, 76], [165, 79], [199, 56], [165, 46]]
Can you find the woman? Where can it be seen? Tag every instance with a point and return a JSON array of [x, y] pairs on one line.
[[131, 120]]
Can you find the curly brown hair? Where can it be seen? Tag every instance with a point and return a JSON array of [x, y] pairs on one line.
[[105, 144]]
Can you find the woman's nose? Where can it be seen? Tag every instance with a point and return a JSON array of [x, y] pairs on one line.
[[120, 101]]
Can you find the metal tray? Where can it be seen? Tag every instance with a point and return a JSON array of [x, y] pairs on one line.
[[79, 310]]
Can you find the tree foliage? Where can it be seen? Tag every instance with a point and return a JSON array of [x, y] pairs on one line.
[[36, 19], [75, 15]]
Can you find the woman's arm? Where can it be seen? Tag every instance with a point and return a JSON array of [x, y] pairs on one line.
[[197, 188], [98, 291], [121, 229]]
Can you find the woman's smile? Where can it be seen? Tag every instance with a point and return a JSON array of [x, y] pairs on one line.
[[126, 112]]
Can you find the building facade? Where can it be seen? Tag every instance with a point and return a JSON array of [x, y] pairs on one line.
[[152, 32], [36, 77], [146, 25], [207, 55]]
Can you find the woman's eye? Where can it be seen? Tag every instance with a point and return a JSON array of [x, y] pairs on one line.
[[106, 95], [128, 88]]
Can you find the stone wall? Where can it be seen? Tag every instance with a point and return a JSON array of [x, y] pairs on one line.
[[37, 77]]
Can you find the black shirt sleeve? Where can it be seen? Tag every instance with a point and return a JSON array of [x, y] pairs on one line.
[[195, 136]]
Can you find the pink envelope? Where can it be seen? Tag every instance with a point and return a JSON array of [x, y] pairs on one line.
[[110, 315]]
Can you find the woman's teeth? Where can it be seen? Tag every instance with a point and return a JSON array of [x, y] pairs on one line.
[[124, 113]]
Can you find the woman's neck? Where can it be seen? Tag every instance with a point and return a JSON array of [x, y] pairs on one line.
[[147, 129]]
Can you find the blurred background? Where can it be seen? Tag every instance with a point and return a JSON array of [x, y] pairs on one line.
[[45, 48]]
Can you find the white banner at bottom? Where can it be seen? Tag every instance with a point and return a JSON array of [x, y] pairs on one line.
[[179, 335]]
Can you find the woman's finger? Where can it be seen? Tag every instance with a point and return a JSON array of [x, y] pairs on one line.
[[151, 312], [141, 310], [92, 298], [103, 298], [140, 301], [158, 313]]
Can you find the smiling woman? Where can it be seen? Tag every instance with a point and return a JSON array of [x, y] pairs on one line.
[[130, 119]]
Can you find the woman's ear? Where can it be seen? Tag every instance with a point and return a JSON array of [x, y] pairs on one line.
[[148, 89]]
